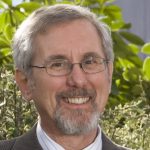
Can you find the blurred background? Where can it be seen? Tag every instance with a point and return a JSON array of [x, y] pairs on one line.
[[138, 13]]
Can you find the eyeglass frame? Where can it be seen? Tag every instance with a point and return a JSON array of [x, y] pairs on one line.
[[81, 64]]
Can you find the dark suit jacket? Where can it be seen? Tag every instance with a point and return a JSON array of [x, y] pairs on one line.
[[29, 141]]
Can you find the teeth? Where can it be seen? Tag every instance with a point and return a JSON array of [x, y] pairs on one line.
[[77, 100]]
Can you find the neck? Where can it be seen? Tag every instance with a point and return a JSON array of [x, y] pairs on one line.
[[70, 142]]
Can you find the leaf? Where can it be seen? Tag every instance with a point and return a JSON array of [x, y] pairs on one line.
[[114, 12], [29, 6], [5, 52], [106, 1], [134, 48], [113, 8], [78, 2], [126, 63], [3, 5], [146, 48], [2, 21], [3, 42], [6, 17], [137, 90], [8, 2], [146, 68], [121, 48], [127, 26], [3, 103], [8, 32], [18, 16], [132, 37], [116, 25], [131, 74]]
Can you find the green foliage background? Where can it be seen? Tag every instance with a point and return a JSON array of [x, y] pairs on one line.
[[127, 117]]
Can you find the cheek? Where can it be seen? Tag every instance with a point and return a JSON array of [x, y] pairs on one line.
[[44, 93], [101, 84]]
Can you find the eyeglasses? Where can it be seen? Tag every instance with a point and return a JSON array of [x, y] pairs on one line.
[[61, 67]]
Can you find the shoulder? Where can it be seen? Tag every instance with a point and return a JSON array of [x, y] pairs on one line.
[[122, 148], [109, 145], [7, 144], [28, 141]]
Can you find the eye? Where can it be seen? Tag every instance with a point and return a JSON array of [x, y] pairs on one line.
[[58, 65], [91, 60], [92, 63], [88, 62]]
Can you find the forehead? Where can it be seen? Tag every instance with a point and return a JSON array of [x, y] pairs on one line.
[[71, 39]]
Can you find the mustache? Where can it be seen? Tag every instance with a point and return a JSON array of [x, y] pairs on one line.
[[82, 92]]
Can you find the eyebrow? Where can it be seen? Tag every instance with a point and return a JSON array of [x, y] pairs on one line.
[[86, 55], [54, 57], [94, 54]]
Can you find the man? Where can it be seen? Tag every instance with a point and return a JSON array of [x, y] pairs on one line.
[[64, 63]]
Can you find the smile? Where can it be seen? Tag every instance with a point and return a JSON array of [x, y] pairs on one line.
[[77, 100]]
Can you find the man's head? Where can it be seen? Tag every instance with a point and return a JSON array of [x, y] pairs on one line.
[[63, 56]]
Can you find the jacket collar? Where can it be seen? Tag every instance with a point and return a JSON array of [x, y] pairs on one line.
[[29, 141]]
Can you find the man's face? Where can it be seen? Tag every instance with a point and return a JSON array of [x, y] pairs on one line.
[[71, 103]]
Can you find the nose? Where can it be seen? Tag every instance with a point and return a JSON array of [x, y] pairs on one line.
[[77, 78]]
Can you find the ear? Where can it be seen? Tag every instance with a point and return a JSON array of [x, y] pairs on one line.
[[23, 84]]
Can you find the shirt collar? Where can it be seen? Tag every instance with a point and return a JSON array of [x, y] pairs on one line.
[[48, 143]]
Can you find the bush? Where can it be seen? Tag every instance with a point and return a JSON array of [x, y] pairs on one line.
[[129, 125], [16, 115]]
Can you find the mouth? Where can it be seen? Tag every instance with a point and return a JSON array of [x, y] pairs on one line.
[[77, 100], [76, 97]]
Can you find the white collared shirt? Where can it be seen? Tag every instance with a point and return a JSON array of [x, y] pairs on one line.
[[48, 144]]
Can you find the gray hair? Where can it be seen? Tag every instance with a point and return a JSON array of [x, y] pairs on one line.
[[43, 18]]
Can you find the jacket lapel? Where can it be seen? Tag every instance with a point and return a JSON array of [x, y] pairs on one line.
[[28, 141], [107, 144]]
